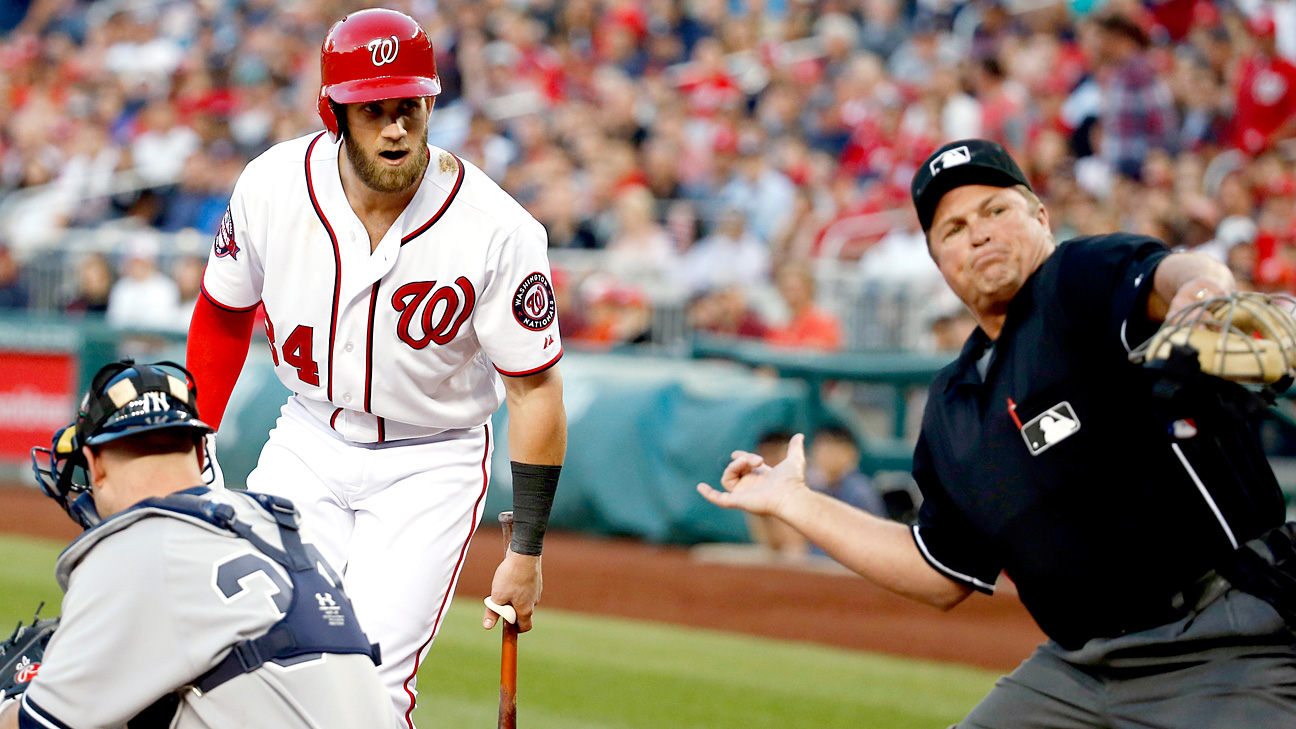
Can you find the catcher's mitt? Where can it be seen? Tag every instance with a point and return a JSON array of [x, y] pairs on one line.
[[21, 655], [1242, 337]]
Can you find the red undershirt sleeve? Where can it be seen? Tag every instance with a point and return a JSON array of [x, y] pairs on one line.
[[216, 351]]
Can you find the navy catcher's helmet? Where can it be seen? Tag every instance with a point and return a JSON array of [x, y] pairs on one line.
[[124, 400]]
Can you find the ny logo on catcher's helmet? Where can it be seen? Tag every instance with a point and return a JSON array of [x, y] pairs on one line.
[[384, 50]]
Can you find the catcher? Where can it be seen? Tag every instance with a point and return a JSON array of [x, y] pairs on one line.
[[1130, 502], [184, 607]]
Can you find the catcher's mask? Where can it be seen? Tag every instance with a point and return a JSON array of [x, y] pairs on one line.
[[1244, 337], [124, 400]]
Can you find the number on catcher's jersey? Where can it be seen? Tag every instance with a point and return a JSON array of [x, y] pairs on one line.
[[251, 571]]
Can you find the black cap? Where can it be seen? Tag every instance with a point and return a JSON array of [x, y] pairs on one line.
[[965, 162]]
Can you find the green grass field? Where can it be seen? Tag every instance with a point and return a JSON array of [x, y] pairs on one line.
[[582, 672]]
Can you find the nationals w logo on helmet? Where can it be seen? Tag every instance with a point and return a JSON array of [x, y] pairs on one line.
[[533, 302], [384, 50]]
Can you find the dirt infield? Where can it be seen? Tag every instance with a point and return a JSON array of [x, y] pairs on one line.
[[633, 580]]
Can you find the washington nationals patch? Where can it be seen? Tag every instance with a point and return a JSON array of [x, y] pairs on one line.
[[225, 245], [533, 302]]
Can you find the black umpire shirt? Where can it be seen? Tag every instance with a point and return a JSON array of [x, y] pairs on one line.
[[1060, 468]]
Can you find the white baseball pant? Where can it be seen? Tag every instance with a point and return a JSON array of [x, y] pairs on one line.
[[394, 519]]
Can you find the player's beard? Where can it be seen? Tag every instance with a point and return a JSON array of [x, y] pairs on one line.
[[381, 177]]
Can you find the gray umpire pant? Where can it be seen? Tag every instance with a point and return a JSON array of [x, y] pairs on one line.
[[1229, 664]]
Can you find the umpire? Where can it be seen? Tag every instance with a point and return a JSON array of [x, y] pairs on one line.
[[1114, 496]]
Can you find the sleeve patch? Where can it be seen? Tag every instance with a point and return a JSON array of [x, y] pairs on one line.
[[225, 244], [533, 303]]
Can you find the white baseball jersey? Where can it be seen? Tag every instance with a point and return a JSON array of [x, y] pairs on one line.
[[405, 341], [155, 599]]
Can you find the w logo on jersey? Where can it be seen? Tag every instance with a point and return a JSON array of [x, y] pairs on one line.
[[225, 245], [384, 50], [440, 314]]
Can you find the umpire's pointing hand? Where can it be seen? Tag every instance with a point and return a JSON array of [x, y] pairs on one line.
[[753, 486]]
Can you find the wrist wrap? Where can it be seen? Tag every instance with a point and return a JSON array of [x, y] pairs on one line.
[[533, 495]]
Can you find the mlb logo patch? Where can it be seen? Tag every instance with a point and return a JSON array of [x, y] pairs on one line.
[[950, 158], [1050, 428]]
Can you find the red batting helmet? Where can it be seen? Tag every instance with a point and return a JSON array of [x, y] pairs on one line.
[[372, 55]]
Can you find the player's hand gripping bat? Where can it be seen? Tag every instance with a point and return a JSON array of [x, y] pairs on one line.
[[508, 653]]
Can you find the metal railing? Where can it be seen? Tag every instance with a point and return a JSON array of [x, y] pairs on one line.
[[875, 314]]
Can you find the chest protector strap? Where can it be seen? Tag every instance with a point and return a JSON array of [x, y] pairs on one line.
[[319, 619]]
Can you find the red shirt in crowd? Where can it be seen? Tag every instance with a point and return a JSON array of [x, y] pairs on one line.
[[1266, 100], [813, 328]]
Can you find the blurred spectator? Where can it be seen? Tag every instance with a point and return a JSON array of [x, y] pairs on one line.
[[571, 313], [902, 257], [921, 53], [144, 297], [162, 144], [762, 193], [1003, 105], [13, 289], [730, 255], [1206, 120], [94, 284], [200, 198], [1242, 263], [809, 326], [832, 467], [187, 272], [949, 323], [1138, 112], [953, 111], [486, 149], [616, 313], [883, 30], [725, 312], [1265, 92], [557, 207], [640, 249], [706, 82]]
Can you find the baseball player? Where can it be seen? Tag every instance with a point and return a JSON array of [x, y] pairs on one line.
[[185, 607], [1115, 498], [399, 285]]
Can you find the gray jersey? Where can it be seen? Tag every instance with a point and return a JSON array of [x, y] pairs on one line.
[[153, 600]]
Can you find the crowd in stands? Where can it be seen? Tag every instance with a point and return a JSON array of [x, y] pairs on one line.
[[724, 153]]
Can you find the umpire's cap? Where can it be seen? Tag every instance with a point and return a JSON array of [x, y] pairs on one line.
[[965, 162]]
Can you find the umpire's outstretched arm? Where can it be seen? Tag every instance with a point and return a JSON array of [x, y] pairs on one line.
[[884, 552]]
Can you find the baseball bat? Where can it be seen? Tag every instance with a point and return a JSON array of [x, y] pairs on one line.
[[508, 653]]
